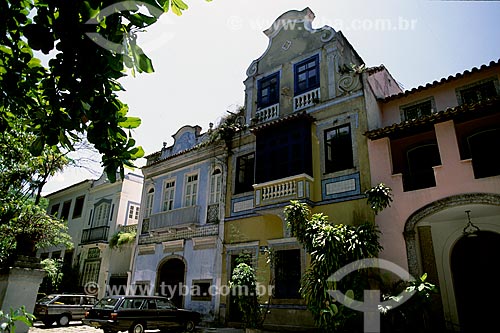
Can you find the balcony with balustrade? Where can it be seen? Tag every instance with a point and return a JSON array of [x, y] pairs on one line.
[[306, 99], [176, 218], [283, 190], [267, 114]]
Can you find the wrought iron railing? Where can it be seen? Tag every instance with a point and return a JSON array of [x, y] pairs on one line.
[[96, 234]]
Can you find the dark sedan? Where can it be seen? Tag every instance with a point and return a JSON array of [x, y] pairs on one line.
[[138, 313]]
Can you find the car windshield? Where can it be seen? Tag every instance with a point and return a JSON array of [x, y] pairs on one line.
[[106, 303], [46, 299]]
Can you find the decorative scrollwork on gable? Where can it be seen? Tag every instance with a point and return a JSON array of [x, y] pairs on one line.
[[252, 70], [327, 34], [349, 83]]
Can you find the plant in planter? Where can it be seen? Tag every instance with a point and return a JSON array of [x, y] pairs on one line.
[[244, 286], [122, 238]]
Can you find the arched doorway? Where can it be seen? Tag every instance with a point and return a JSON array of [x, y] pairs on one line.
[[171, 275], [474, 261]]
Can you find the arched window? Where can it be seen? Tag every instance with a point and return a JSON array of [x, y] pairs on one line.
[[149, 202], [484, 163], [215, 187], [420, 161]]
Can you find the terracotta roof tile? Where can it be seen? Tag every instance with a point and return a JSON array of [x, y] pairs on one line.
[[442, 81], [437, 117]]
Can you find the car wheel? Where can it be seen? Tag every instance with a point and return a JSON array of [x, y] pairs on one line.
[[63, 320], [189, 326], [137, 328]]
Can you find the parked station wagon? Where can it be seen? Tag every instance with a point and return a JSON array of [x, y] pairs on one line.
[[62, 308], [138, 313]]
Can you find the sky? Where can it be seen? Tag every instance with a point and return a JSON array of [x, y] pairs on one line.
[[200, 58]]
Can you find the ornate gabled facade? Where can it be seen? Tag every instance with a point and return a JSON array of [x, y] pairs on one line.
[[179, 243], [436, 147], [95, 210], [306, 112]]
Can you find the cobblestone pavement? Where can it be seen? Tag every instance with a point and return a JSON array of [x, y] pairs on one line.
[[77, 327]]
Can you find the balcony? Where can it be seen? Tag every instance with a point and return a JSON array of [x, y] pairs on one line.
[[127, 228], [283, 190], [93, 235], [268, 113], [174, 218], [306, 99]]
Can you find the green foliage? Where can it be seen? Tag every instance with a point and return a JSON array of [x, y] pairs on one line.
[[30, 227], [412, 315], [8, 320], [53, 269], [75, 93], [331, 247], [121, 238], [227, 128], [379, 197], [243, 284]]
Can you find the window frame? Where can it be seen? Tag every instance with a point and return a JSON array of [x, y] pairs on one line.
[[150, 197], [133, 213], [416, 178], [287, 267], [54, 209], [102, 213], [330, 161], [405, 108], [244, 186], [215, 186], [205, 295], [66, 208], [78, 207], [296, 73], [460, 90], [190, 194], [274, 94], [171, 193]]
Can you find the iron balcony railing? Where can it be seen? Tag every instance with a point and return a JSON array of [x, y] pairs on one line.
[[97, 234]]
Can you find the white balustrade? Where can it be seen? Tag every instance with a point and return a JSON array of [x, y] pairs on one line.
[[269, 113], [306, 99]]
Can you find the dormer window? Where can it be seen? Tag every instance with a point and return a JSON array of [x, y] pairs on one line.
[[268, 91], [306, 75]]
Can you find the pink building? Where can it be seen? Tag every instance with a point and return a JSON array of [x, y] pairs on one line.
[[437, 146]]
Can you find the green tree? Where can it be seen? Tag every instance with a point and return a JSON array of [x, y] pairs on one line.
[[24, 222], [332, 246], [46, 110], [76, 92]]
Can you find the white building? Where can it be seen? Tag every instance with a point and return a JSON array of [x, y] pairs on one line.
[[95, 211]]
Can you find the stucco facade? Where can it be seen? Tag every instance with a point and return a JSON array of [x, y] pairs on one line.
[[179, 245], [306, 112], [455, 123], [95, 211]]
